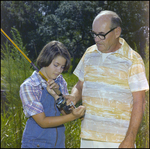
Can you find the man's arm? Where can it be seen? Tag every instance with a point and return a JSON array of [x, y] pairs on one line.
[[135, 121], [76, 93]]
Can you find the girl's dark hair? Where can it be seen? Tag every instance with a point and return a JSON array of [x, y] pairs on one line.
[[51, 51]]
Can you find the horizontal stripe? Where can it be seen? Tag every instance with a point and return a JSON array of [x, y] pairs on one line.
[[85, 143], [106, 103], [106, 72], [101, 86], [107, 112], [103, 127], [106, 75], [119, 96], [93, 135], [103, 120]]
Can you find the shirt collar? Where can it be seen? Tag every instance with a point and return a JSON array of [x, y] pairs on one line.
[[37, 79], [123, 43]]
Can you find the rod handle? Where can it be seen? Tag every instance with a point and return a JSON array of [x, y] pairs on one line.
[[57, 91]]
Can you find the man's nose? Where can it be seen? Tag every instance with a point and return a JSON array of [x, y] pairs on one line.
[[97, 39]]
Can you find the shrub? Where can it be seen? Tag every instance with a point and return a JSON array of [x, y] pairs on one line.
[[142, 139], [14, 70]]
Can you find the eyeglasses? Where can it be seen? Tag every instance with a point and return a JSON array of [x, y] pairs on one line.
[[101, 36]]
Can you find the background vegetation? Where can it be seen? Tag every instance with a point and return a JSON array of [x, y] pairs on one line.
[[70, 22], [37, 22]]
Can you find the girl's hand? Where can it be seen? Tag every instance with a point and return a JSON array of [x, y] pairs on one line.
[[78, 112], [51, 84]]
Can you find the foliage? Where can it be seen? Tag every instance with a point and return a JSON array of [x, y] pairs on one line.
[[73, 128], [14, 70], [72, 134], [70, 22], [26, 16], [142, 139]]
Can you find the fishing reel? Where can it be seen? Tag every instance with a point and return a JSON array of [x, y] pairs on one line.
[[61, 104]]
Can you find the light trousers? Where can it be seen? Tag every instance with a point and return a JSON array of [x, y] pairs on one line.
[[97, 144]]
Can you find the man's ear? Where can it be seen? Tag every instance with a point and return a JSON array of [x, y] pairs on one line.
[[118, 31]]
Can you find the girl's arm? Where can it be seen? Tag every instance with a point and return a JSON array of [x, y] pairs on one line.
[[55, 121], [51, 84]]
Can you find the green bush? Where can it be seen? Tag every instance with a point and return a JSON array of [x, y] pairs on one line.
[[73, 128], [14, 70], [142, 139]]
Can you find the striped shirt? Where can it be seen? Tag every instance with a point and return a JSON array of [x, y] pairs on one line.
[[31, 92], [107, 91]]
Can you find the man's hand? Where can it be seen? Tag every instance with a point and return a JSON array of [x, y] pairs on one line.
[[76, 94], [51, 84]]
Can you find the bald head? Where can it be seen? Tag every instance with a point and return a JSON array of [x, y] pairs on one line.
[[109, 17], [106, 30]]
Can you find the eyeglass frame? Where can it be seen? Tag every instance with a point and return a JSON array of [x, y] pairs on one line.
[[101, 34]]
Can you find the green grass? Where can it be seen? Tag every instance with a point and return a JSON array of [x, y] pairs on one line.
[[142, 139], [14, 70], [73, 128]]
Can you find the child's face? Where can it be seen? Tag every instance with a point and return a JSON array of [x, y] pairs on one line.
[[55, 68]]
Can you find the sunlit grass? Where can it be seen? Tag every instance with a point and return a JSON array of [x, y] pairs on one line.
[[73, 128], [142, 139]]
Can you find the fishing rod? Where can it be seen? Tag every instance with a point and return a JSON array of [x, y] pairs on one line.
[[62, 101], [57, 91]]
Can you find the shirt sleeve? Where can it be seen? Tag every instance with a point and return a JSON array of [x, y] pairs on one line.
[[63, 85], [79, 70], [30, 97], [137, 77]]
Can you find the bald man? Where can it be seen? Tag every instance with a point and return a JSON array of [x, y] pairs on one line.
[[112, 85]]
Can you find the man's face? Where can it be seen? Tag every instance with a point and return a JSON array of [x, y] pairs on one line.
[[101, 26]]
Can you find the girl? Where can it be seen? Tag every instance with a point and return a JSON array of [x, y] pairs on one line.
[[44, 127]]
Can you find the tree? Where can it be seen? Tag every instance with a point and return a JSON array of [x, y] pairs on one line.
[[26, 16], [70, 22], [14, 70]]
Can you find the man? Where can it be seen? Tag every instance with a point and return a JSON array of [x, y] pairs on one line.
[[112, 85]]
